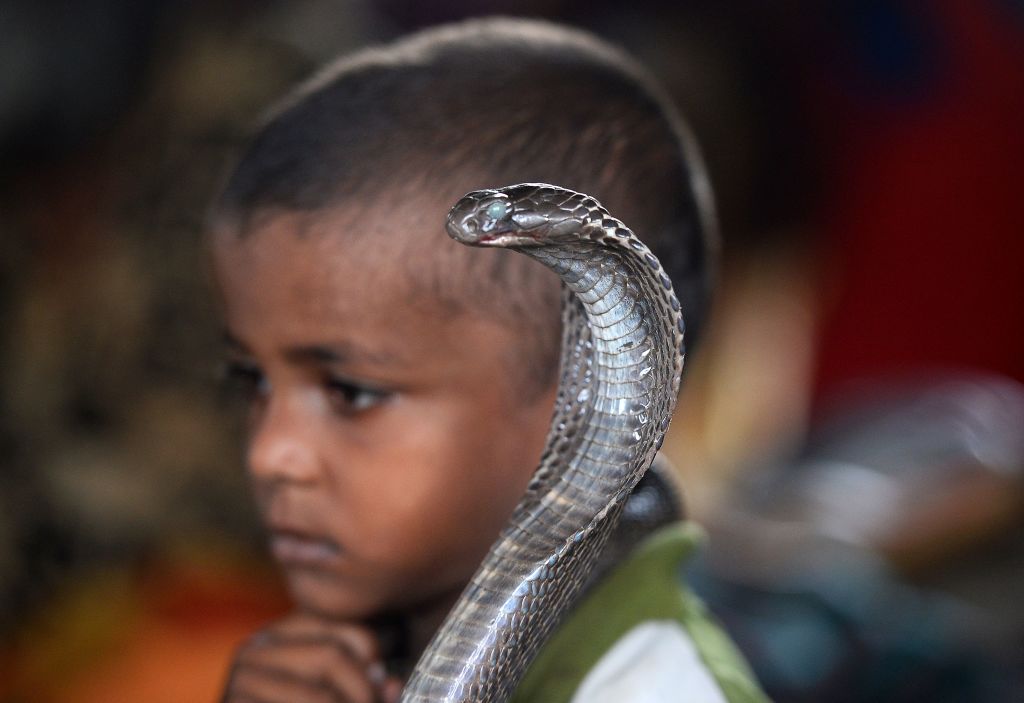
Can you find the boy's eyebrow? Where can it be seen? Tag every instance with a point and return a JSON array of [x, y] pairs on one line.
[[334, 353], [233, 341]]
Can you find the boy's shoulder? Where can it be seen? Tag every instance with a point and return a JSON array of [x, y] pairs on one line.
[[640, 636]]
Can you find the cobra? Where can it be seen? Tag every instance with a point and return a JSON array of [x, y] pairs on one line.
[[622, 357]]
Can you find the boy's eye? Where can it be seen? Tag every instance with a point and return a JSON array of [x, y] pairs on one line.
[[349, 397], [245, 378]]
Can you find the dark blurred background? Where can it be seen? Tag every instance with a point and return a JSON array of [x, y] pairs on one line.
[[850, 433]]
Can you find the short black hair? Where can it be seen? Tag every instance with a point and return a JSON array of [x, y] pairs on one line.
[[488, 103]]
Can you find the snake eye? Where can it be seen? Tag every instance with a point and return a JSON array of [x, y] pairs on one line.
[[497, 210]]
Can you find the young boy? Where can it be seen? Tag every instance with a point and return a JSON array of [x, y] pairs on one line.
[[402, 385]]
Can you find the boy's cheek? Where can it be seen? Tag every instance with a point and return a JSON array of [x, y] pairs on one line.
[[415, 509]]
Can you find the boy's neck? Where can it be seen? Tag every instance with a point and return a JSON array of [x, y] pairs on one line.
[[404, 637]]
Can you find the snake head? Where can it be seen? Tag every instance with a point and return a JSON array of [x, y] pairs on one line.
[[524, 215], [485, 218]]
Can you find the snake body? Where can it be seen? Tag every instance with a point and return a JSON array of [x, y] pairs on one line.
[[622, 357]]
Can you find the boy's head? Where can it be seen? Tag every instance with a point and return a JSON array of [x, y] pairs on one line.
[[402, 383]]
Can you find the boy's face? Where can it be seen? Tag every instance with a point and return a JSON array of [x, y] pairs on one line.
[[388, 442]]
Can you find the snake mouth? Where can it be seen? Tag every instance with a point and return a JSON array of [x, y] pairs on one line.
[[468, 230], [508, 239]]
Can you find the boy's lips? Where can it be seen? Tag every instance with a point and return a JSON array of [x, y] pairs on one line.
[[301, 549]]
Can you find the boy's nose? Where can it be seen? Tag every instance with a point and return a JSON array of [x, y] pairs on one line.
[[280, 449]]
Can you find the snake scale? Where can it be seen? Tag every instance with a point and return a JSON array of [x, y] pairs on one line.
[[622, 357]]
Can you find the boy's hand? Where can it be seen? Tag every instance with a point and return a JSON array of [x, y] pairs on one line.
[[303, 659]]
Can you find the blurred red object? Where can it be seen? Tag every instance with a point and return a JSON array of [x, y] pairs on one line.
[[925, 223]]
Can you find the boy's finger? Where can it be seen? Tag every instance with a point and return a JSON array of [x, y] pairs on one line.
[[250, 685], [357, 640], [391, 691], [313, 665]]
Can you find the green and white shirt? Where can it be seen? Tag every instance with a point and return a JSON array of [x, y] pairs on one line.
[[640, 636]]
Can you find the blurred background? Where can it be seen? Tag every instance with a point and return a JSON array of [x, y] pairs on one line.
[[851, 432]]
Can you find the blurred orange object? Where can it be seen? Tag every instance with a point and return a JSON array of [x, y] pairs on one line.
[[163, 637]]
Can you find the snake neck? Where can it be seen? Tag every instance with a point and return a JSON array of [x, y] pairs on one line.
[[620, 371]]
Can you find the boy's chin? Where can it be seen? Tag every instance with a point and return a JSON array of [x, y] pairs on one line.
[[320, 593]]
